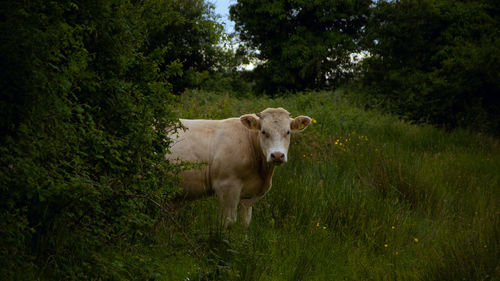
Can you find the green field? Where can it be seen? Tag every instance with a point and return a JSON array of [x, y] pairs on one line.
[[364, 196]]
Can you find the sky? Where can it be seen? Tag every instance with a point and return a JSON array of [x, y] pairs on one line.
[[222, 8]]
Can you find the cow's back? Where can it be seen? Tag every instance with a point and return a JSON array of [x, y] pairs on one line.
[[222, 147]]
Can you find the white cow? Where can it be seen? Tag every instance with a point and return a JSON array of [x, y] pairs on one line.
[[240, 155]]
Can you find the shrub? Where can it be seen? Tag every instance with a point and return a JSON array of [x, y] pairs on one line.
[[81, 95]]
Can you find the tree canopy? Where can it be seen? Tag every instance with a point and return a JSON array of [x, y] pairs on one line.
[[302, 44], [436, 61]]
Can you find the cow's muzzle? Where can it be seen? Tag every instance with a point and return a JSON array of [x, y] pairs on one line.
[[278, 158]]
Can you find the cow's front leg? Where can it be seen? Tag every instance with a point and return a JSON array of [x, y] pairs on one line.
[[245, 213], [229, 211], [228, 193]]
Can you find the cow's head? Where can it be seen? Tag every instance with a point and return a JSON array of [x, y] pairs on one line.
[[275, 126]]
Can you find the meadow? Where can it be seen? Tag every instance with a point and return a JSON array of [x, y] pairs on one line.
[[364, 196]]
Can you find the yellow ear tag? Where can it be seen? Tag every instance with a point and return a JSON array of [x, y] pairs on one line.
[[301, 126]]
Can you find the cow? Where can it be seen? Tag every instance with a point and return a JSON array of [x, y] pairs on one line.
[[238, 157]]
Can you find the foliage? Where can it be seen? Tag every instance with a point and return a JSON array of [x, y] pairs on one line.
[[302, 44], [188, 28], [225, 75], [436, 61], [84, 94]]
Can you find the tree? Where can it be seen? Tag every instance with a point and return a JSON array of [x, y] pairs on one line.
[[188, 28], [302, 44], [436, 61]]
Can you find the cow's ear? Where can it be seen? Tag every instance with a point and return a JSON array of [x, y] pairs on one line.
[[250, 121], [300, 123]]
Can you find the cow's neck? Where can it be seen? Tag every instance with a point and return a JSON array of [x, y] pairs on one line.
[[260, 158], [265, 169]]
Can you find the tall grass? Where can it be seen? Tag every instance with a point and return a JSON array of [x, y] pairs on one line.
[[365, 196]]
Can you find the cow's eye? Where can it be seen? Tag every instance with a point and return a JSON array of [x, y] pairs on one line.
[[288, 132], [263, 132]]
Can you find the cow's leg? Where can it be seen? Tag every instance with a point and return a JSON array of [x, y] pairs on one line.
[[245, 213], [229, 211], [228, 193]]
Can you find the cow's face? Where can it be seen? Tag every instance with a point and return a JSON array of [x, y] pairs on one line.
[[275, 127]]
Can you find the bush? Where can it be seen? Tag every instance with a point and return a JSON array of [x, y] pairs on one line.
[[82, 93]]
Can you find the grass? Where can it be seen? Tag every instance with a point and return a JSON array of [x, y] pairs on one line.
[[365, 196]]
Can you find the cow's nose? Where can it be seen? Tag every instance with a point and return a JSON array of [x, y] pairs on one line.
[[278, 157]]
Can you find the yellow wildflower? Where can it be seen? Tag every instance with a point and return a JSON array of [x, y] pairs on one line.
[[386, 245], [396, 252], [415, 239], [317, 224], [324, 227], [313, 121], [393, 227]]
